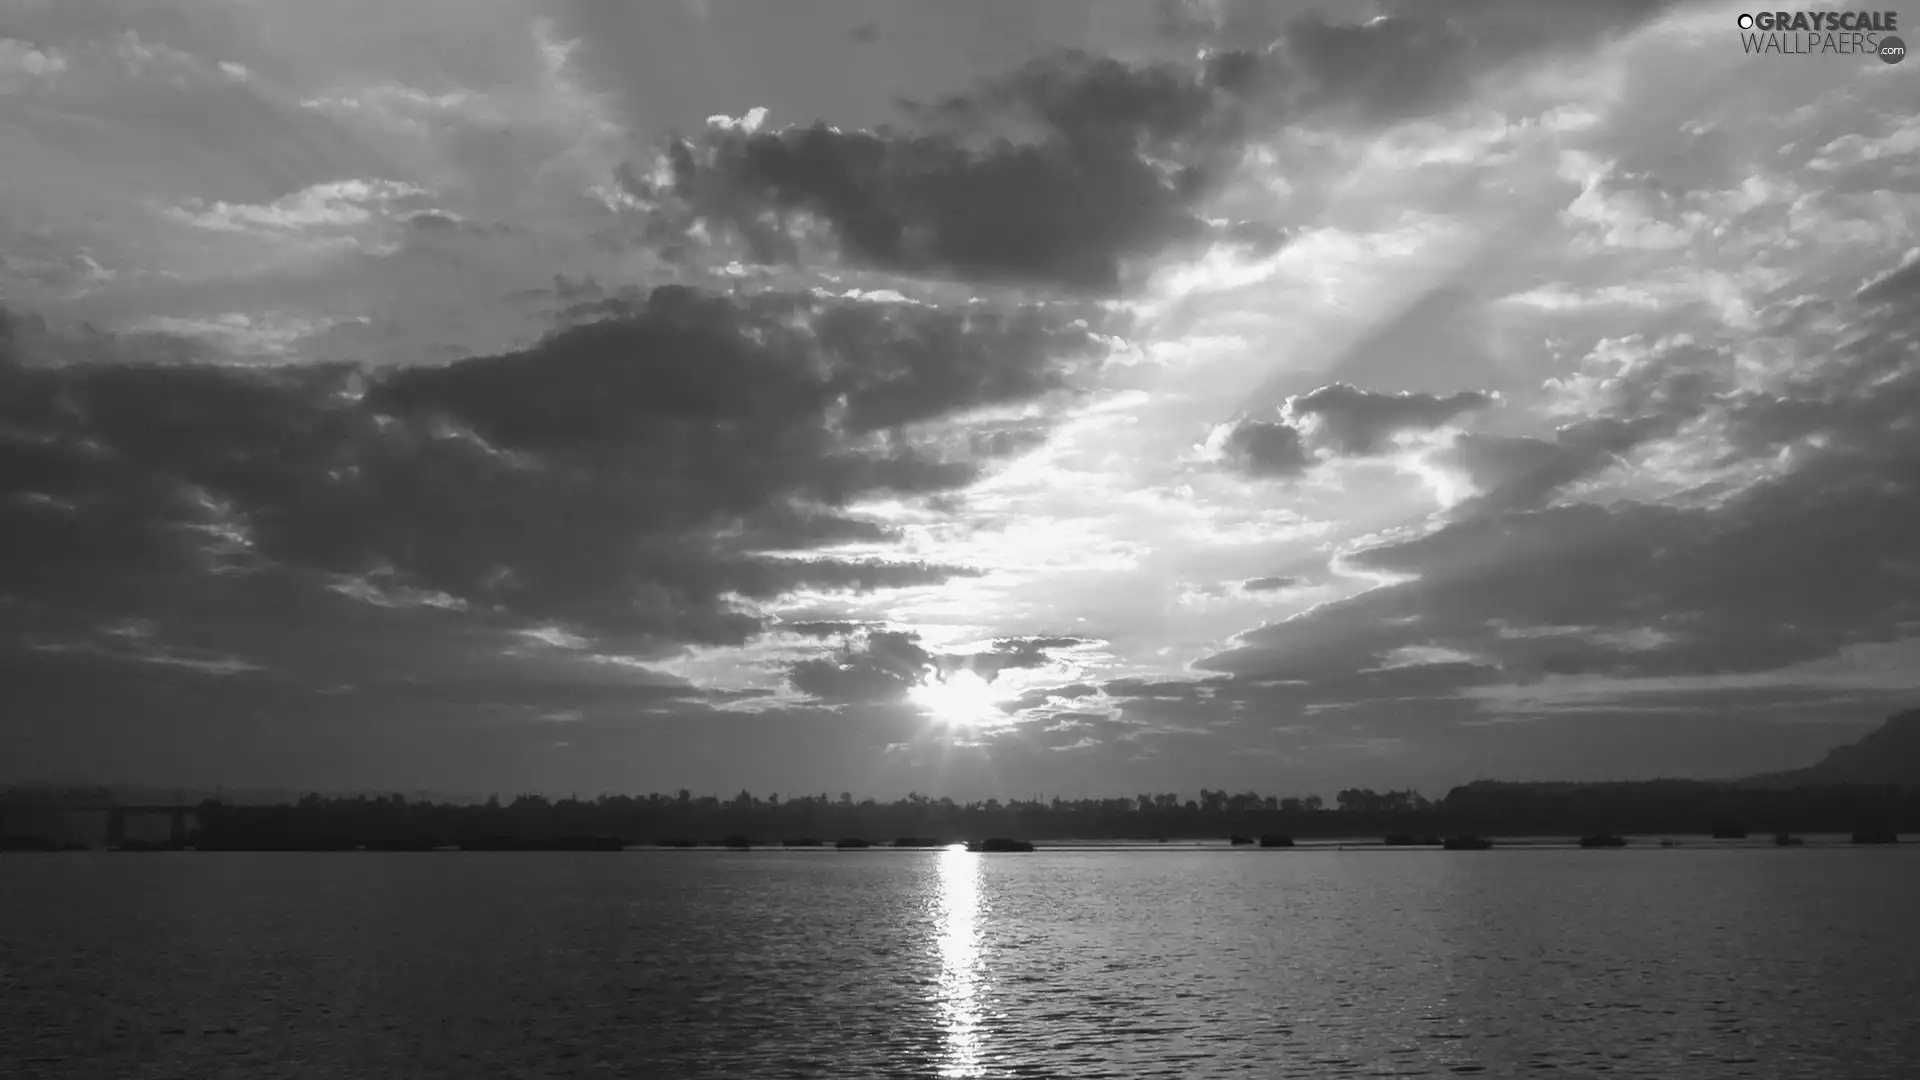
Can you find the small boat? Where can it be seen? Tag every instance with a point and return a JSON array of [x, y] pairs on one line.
[[1271, 840], [1238, 841], [999, 843], [1787, 840]]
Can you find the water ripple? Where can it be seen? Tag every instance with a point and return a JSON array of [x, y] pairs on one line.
[[949, 964]]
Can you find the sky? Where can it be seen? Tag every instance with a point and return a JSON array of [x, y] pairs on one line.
[[1074, 397]]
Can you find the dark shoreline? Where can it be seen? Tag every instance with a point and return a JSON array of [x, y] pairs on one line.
[[1675, 842], [1599, 813]]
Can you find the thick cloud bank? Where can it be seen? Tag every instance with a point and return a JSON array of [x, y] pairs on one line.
[[636, 478]]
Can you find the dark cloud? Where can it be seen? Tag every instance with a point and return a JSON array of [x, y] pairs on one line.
[[1269, 584], [814, 527], [1352, 422], [766, 579], [1674, 381], [880, 666], [1040, 643], [1341, 420], [1071, 730], [1072, 165], [1010, 654], [1786, 570], [1146, 688], [623, 477], [917, 362], [430, 226], [877, 666], [1007, 442], [12, 329], [1065, 204], [1862, 397], [823, 629], [1034, 699], [1651, 397], [1520, 472], [1898, 285], [1267, 450], [41, 264]]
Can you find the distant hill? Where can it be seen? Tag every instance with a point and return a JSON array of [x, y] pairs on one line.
[[1889, 755]]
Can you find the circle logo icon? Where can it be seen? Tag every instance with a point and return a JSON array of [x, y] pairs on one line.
[[1892, 50], [1744, 22]]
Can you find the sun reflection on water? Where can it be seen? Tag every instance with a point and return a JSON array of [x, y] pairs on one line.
[[960, 963]]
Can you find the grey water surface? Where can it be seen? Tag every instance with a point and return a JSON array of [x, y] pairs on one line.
[[1671, 964]]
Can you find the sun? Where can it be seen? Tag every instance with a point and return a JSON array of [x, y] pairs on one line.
[[960, 698]]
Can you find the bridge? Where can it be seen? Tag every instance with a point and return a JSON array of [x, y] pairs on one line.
[[99, 824], [178, 819]]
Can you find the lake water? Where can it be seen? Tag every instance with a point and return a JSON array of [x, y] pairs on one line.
[[1670, 964]]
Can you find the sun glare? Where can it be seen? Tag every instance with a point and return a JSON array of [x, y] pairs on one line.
[[961, 698]]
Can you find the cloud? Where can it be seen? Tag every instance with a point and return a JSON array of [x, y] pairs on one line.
[[1902, 283], [340, 204], [137, 641], [46, 264], [1521, 472], [823, 629], [876, 666], [1337, 420], [1269, 584], [880, 667], [1634, 394], [1064, 205], [92, 67], [157, 61], [1070, 167], [24, 65], [1352, 422], [643, 479], [1413, 58], [1011, 654], [1787, 568], [1266, 449]]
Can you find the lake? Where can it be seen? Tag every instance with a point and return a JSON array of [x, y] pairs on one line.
[[1644, 963]]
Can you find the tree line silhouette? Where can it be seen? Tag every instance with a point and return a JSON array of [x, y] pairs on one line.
[[683, 818]]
